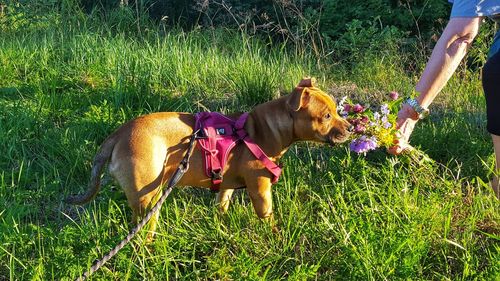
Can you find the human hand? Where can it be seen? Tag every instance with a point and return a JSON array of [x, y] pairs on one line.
[[407, 118]]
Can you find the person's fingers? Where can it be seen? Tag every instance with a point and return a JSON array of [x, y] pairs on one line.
[[403, 116], [394, 150], [404, 126], [399, 123], [400, 148]]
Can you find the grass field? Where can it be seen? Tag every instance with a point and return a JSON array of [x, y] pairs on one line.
[[341, 216]]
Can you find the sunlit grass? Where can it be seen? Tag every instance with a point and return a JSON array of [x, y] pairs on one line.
[[341, 216]]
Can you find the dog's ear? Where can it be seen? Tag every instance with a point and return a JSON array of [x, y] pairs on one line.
[[300, 96], [307, 82], [298, 99]]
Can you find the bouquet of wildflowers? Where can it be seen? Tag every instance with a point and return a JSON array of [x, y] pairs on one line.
[[374, 127]]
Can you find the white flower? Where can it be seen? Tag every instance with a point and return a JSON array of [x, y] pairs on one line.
[[342, 101], [385, 109]]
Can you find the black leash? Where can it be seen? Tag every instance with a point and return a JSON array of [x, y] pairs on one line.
[[181, 170]]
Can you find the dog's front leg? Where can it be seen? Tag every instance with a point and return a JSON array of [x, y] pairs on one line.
[[224, 197], [259, 190]]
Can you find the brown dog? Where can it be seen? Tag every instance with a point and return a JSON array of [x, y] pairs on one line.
[[145, 152]]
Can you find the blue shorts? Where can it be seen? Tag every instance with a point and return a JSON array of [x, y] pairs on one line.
[[491, 72]]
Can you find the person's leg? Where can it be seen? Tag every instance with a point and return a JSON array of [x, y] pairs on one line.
[[491, 74], [495, 182]]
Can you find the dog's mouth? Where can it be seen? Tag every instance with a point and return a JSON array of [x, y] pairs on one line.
[[340, 133], [337, 138]]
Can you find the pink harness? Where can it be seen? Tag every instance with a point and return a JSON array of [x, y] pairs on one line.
[[220, 134]]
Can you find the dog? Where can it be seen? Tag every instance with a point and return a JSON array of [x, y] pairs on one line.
[[147, 150]]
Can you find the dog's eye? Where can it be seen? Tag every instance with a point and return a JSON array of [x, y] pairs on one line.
[[327, 116]]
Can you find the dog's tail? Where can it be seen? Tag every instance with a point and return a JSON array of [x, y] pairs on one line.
[[95, 178]]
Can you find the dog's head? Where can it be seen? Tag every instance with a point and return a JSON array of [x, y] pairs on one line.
[[315, 115]]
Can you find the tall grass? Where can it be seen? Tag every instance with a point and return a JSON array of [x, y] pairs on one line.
[[64, 88]]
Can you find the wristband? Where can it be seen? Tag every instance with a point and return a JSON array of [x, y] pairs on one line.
[[421, 111]]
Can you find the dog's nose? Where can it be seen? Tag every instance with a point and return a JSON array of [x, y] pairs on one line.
[[350, 128]]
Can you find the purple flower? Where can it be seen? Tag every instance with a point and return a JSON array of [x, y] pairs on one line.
[[359, 129], [387, 125], [364, 119], [376, 116], [347, 108], [363, 144], [358, 108], [394, 95]]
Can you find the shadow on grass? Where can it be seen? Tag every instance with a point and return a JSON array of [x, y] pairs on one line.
[[458, 141], [11, 94]]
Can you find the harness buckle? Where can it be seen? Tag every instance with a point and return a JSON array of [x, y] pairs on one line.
[[217, 175]]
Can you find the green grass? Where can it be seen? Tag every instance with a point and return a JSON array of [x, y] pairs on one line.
[[65, 87]]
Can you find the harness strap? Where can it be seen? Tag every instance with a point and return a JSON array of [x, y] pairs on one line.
[[214, 160], [255, 149], [209, 148], [220, 135]]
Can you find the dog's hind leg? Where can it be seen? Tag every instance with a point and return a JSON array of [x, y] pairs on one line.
[[141, 198], [154, 219], [140, 172], [224, 198]]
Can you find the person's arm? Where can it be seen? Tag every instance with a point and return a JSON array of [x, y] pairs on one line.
[[446, 56]]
